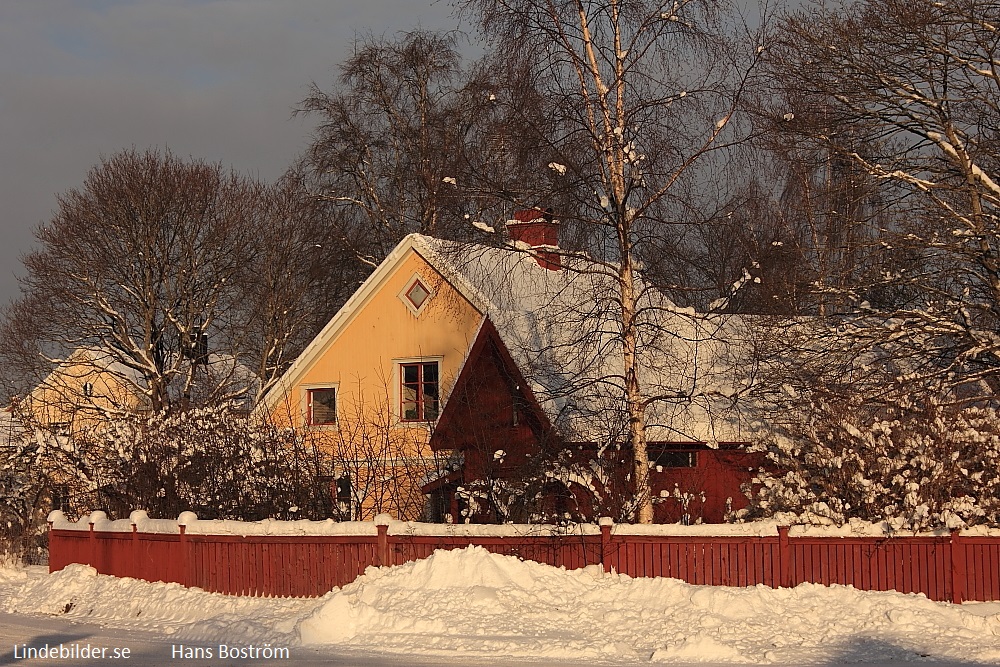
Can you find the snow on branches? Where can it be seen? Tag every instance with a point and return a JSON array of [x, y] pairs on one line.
[[916, 466], [215, 461]]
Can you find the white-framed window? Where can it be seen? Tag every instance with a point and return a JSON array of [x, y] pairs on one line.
[[321, 406], [419, 388], [416, 293]]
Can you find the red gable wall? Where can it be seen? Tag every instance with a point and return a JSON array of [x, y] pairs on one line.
[[479, 420]]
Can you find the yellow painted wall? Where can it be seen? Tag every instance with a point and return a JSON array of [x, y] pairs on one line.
[[61, 399], [361, 362]]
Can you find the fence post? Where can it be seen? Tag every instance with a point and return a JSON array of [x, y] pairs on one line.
[[382, 549], [51, 536], [186, 578], [92, 542], [784, 558], [95, 516], [958, 574], [135, 552], [135, 517], [606, 522]]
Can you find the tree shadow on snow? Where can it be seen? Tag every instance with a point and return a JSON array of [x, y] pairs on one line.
[[879, 651]]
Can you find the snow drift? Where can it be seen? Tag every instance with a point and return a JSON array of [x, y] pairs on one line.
[[78, 592], [471, 603], [474, 602]]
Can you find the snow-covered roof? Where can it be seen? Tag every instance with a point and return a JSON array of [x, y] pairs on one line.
[[562, 330], [102, 360], [222, 370]]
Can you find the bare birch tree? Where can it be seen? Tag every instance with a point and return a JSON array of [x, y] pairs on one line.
[[643, 94], [387, 154]]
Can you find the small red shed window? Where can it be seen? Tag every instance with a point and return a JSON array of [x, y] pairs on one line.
[[419, 391], [670, 458]]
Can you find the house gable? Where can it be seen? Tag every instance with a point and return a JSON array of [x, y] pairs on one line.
[[491, 403], [381, 328], [85, 388]]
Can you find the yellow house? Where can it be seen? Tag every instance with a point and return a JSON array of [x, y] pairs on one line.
[[458, 363], [369, 388], [84, 389]]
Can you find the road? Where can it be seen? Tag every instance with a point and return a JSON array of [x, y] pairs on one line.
[[19, 632]]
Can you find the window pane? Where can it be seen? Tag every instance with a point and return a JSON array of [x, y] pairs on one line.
[[419, 391], [322, 406], [411, 373], [417, 294], [431, 372], [430, 390], [675, 459]]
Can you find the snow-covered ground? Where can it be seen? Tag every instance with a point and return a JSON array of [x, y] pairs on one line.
[[471, 605]]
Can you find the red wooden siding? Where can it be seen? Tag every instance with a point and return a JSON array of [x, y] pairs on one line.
[[492, 408], [719, 475], [949, 568]]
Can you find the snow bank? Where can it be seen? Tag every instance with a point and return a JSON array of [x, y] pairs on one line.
[[13, 576], [79, 593], [472, 602]]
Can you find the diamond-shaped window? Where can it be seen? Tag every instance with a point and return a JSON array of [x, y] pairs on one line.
[[417, 294]]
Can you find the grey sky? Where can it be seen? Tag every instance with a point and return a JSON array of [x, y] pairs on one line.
[[214, 79]]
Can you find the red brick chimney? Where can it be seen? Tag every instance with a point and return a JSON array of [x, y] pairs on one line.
[[536, 229]]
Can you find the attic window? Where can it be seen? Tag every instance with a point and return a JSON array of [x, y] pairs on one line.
[[416, 294]]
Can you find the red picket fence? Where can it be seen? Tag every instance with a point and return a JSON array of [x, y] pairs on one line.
[[949, 568]]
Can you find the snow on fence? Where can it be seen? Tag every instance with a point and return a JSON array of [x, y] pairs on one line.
[[307, 558]]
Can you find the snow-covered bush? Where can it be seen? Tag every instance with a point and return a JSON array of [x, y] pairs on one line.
[[212, 460], [215, 461], [23, 509], [560, 485], [539, 490], [26, 491], [916, 464]]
